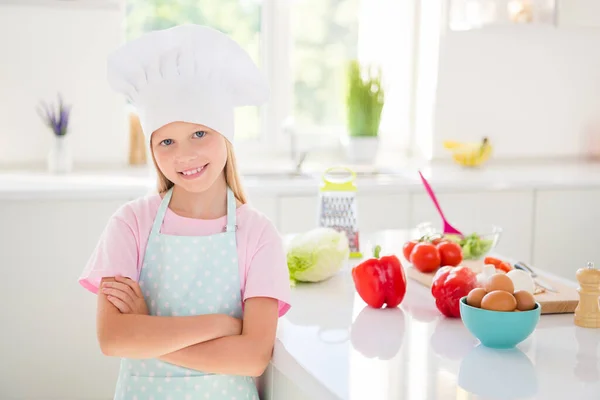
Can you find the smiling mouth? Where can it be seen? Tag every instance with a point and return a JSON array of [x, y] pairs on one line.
[[193, 171]]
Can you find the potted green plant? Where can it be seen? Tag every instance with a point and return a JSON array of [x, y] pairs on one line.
[[365, 98]]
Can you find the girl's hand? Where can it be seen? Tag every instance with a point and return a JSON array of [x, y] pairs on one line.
[[126, 295]]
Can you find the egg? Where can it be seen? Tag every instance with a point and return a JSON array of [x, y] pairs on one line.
[[525, 300], [475, 296], [499, 300], [499, 281], [487, 271], [522, 280]]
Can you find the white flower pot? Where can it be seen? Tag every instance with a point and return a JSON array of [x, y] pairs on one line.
[[59, 157], [361, 149]]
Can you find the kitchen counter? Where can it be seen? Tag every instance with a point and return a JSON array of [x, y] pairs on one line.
[[332, 346], [135, 181]]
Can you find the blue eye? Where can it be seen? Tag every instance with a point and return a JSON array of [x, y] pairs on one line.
[[166, 142], [199, 134]]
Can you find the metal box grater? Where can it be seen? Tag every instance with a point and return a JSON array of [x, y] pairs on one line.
[[337, 206]]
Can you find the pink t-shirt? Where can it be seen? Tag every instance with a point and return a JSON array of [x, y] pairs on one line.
[[122, 245]]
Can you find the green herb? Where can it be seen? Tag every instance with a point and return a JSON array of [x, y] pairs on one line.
[[364, 100]]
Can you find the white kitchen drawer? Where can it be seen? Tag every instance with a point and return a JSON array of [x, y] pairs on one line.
[[566, 230], [475, 211]]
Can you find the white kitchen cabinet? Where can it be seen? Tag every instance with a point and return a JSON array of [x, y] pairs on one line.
[[274, 385], [374, 212], [267, 205], [478, 211], [297, 213], [45, 245], [565, 230], [578, 14], [383, 211]]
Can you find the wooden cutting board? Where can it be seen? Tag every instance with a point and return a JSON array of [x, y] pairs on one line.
[[565, 301]]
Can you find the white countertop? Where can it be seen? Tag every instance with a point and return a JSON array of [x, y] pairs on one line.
[[135, 181], [334, 347]]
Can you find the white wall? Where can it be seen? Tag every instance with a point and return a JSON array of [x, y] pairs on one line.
[[531, 90], [46, 48]]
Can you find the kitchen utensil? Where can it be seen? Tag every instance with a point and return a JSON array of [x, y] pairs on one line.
[[448, 229], [489, 237], [587, 313], [499, 329], [565, 300], [540, 282], [337, 205]]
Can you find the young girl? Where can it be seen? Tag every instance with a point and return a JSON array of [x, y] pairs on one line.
[[191, 280]]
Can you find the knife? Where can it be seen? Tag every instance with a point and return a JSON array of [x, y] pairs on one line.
[[524, 267]]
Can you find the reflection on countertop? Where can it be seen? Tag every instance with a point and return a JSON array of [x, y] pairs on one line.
[[349, 351], [498, 374]]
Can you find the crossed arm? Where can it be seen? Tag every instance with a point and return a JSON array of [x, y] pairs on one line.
[[215, 343]]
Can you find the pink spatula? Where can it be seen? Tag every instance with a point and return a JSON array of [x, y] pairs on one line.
[[448, 229]]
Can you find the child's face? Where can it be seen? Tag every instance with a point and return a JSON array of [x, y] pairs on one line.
[[189, 155]]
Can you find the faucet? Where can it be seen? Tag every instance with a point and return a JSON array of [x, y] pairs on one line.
[[300, 161], [296, 156]]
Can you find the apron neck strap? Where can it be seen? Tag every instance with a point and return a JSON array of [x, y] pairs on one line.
[[160, 215], [231, 209], [164, 204]]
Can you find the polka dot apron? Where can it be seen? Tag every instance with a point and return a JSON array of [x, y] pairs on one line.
[[187, 275]]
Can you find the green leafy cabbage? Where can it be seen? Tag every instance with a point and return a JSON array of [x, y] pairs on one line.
[[317, 255]]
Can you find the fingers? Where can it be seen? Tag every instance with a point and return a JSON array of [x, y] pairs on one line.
[[119, 290], [132, 284], [120, 296], [120, 304]]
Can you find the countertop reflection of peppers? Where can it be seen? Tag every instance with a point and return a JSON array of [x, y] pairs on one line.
[[380, 281]]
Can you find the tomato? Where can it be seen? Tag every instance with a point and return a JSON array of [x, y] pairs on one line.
[[408, 248], [425, 257], [449, 285], [437, 241], [450, 253]]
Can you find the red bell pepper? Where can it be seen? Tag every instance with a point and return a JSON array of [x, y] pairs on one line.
[[449, 285], [380, 281], [499, 264]]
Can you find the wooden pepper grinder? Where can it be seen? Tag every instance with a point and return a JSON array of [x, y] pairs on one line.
[[587, 313]]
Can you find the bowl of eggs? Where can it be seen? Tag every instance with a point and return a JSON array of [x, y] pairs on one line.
[[498, 315]]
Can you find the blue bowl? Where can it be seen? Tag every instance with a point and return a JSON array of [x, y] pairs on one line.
[[498, 329]]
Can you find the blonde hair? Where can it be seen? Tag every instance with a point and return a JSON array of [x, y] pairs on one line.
[[232, 177]]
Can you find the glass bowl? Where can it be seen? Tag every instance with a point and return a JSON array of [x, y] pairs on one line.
[[476, 244]]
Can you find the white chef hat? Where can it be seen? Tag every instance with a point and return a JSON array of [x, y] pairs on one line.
[[188, 73]]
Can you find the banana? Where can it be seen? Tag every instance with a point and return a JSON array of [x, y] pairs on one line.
[[469, 154]]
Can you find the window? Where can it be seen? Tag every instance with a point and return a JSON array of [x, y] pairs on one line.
[[304, 46], [241, 19], [324, 36]]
